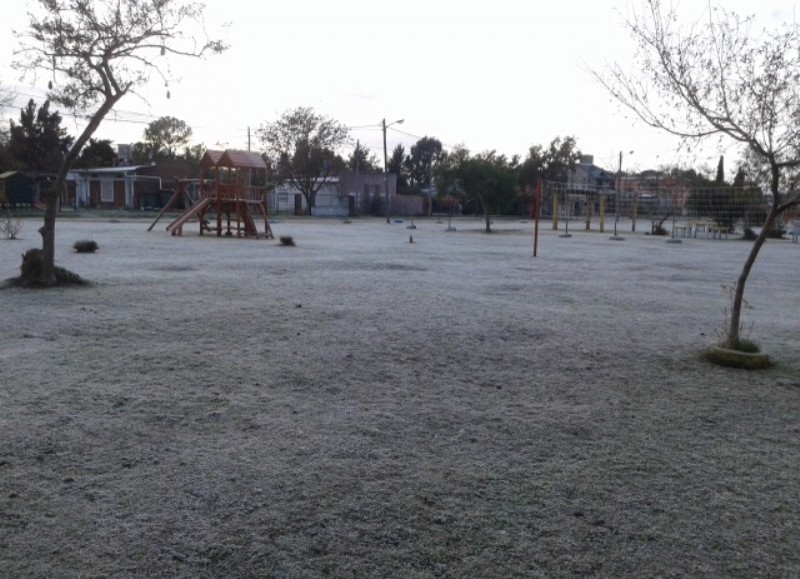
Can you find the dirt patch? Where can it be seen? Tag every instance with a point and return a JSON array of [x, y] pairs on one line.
[[362, 406]]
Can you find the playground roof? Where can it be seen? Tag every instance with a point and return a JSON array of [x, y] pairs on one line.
[[210, 159], [242, 160], [232, 158]]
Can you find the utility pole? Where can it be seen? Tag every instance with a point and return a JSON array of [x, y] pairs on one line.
[[385, 171], [385, 166]]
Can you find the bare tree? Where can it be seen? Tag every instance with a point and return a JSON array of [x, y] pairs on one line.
[[98, 51], [719, 78], [7, 96]]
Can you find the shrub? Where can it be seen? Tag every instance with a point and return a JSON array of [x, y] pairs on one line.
[[85, 246], [10, 225]]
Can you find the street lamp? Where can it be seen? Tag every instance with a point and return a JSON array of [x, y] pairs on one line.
[[385, 167]]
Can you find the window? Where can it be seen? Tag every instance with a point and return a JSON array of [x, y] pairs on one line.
[[107, 191]]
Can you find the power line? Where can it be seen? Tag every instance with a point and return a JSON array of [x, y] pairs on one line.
[[417, 137], [363, 127]]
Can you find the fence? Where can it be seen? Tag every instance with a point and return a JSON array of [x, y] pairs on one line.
[[657, 209]]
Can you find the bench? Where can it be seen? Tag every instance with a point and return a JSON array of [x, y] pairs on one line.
[[683, 230], [698, 227], [717, 231]]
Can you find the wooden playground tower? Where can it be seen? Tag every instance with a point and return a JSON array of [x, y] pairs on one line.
[[229, 195]]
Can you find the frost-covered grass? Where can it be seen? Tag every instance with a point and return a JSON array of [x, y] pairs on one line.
[[364, 406]]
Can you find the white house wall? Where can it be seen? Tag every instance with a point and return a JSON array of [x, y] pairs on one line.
[[328, 203]]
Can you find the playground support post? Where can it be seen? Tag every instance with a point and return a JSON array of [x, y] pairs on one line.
[[589, 211], [537, 207], [555, 212], [602, 213]]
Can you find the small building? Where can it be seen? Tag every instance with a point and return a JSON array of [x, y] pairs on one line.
[[17, 188]]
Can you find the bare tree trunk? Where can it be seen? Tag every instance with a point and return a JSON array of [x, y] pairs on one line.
[[736, 307], [738, 296], [48, 232]]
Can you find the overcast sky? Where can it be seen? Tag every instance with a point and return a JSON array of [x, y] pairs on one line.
[[497, 74]]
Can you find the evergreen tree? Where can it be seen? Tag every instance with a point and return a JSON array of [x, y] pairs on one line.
[[720, 180], [39, 142], [97, 153]]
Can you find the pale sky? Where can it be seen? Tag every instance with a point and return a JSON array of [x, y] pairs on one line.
[[502, 75]]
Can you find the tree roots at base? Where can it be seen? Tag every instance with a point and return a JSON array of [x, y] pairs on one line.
[[31, 273]]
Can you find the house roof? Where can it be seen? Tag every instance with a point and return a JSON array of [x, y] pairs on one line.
[[24, 174], [109, 170]]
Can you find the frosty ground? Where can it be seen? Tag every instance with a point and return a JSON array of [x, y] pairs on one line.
[[359, 405]]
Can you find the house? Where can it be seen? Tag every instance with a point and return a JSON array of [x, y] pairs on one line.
[[346, 195], [586, 182], [654, 192], [366, 192], [588, 176], [123, 187]]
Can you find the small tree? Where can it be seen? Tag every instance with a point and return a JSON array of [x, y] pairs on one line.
[[397, 164], [98, 52], [553, 163], [362, 160], [487, 179], [166, 135], [303, 145], [719, 79], [10, 225], [424, 153]]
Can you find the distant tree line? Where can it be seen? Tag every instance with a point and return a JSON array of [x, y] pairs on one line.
[[301, 147]]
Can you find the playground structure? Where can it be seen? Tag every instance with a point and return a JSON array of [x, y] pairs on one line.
[[228, 197]]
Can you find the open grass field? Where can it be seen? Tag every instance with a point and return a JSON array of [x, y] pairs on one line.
[[362, 406]]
